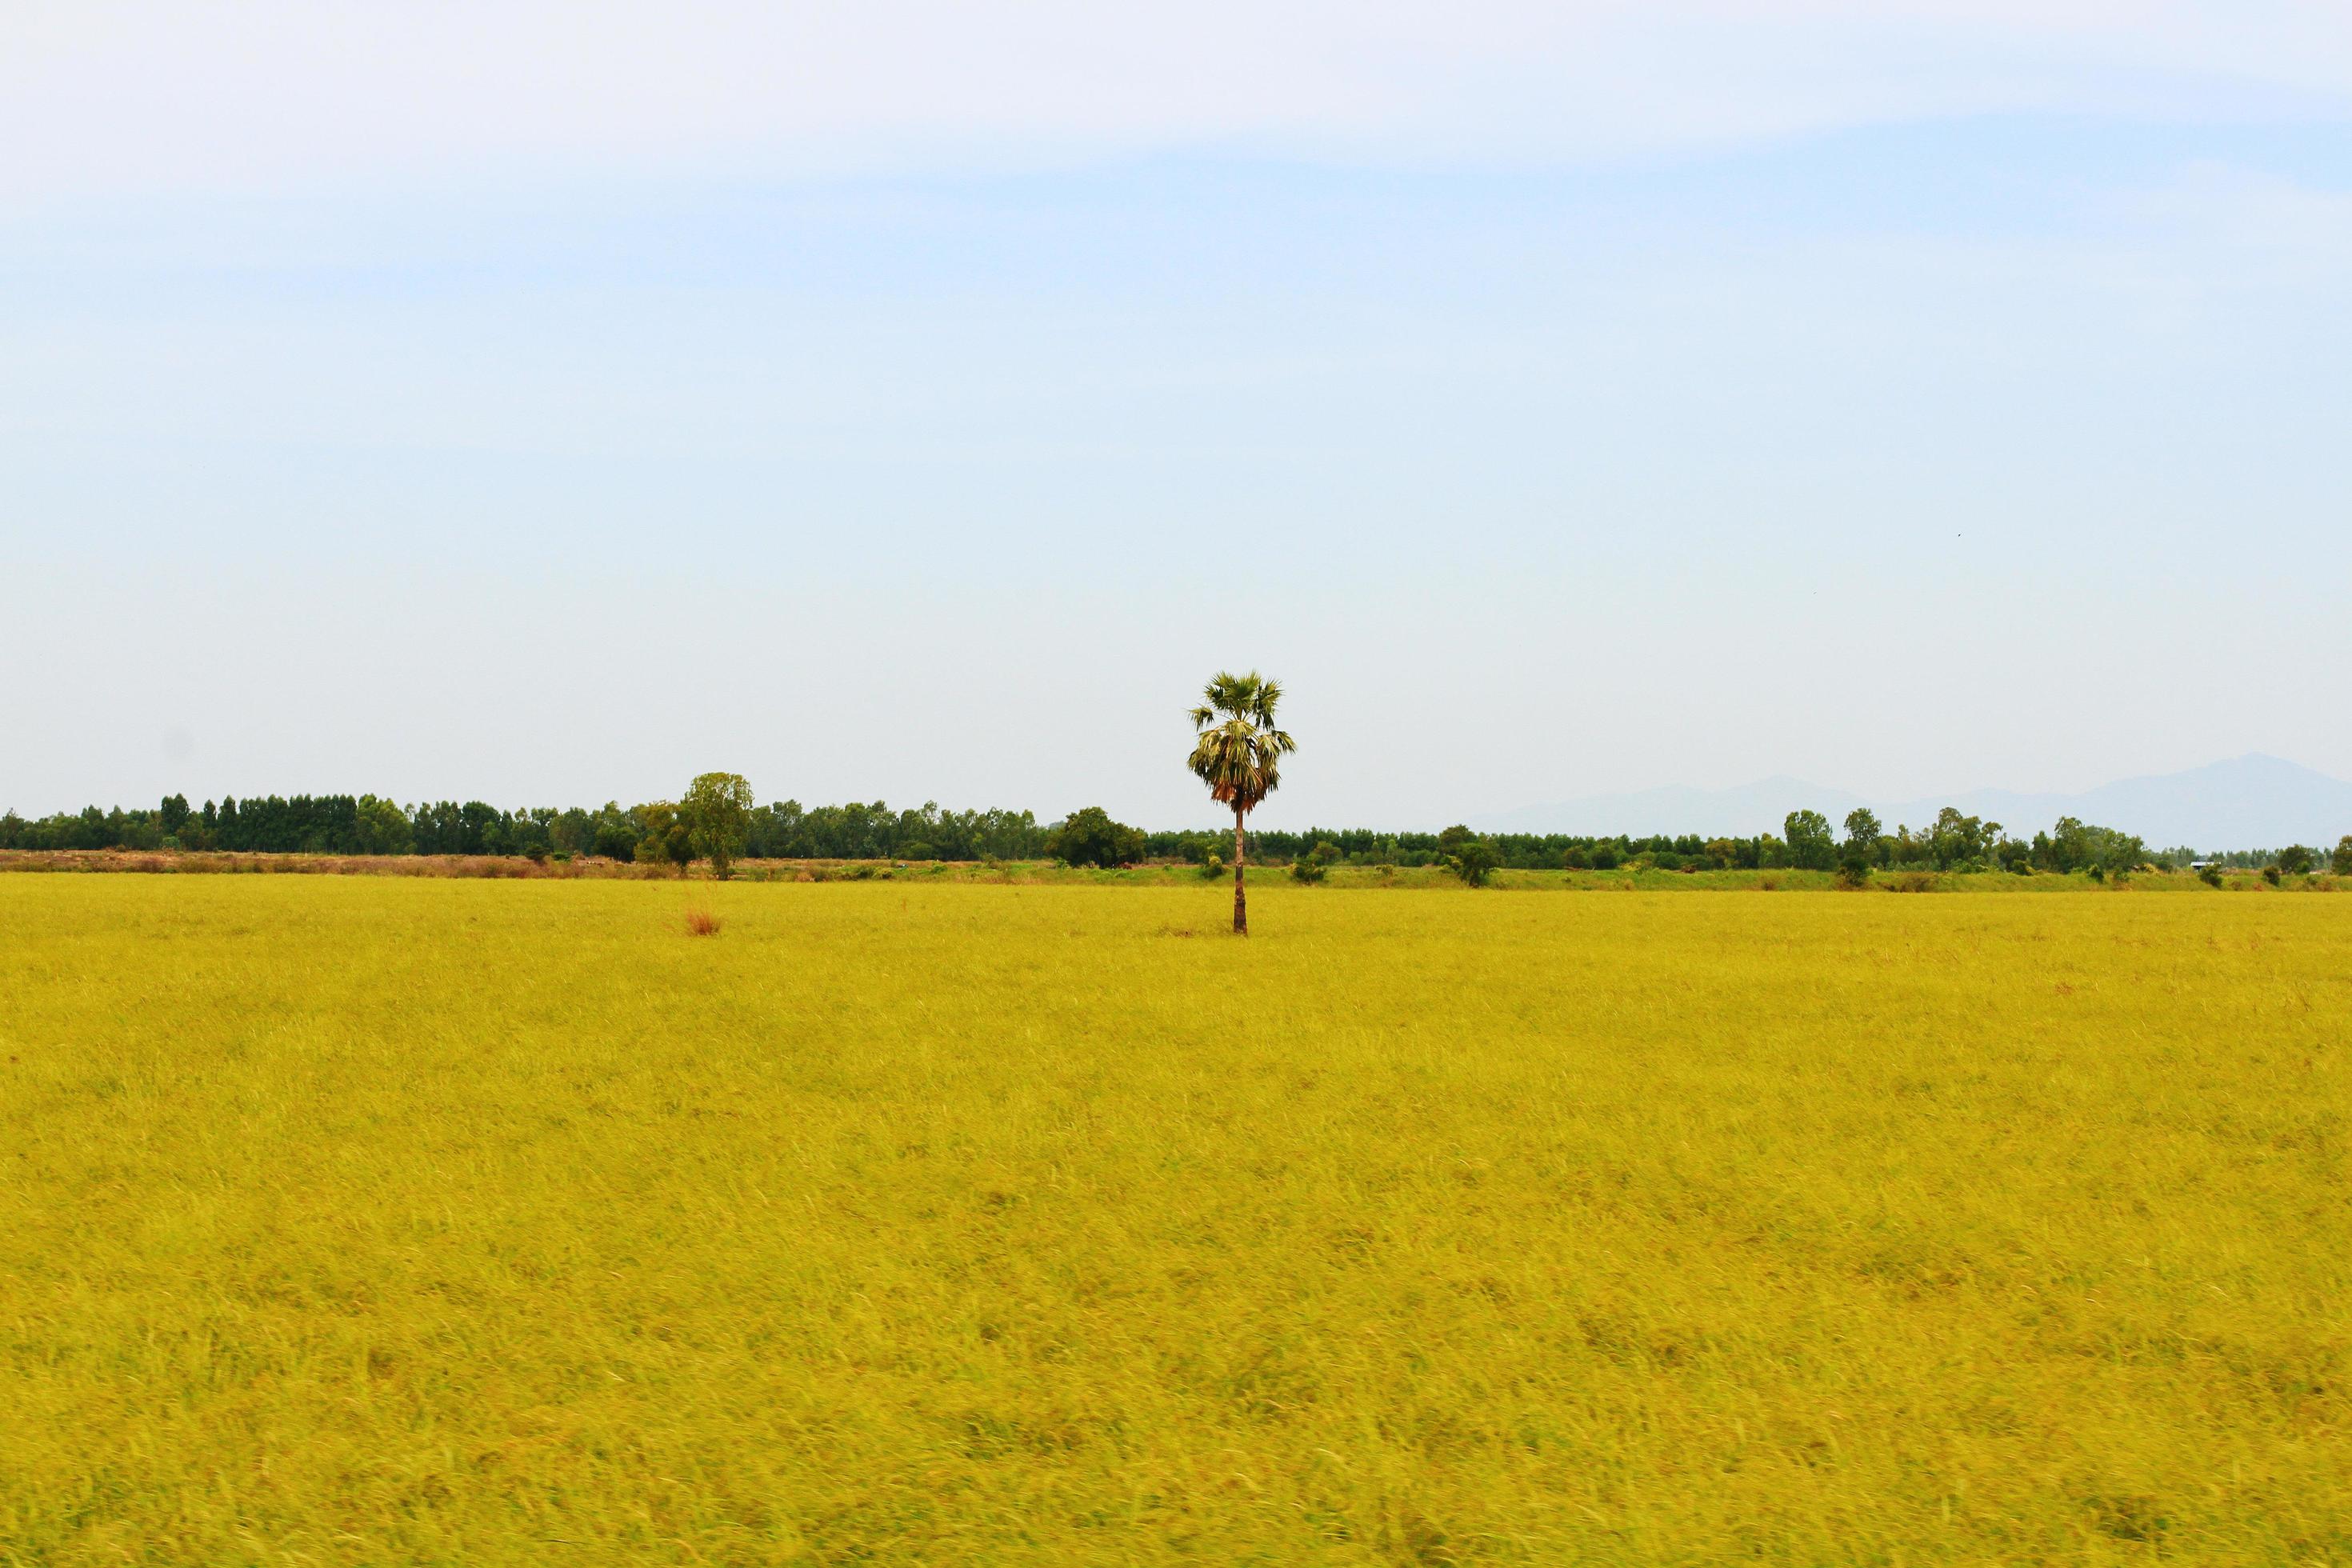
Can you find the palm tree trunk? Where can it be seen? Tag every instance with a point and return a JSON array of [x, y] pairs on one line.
[[1241, 904]]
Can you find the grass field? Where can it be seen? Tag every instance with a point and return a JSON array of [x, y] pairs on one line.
[[378, 1221]]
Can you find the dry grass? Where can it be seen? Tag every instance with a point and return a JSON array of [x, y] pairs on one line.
[[702, 923], [388, 1221]]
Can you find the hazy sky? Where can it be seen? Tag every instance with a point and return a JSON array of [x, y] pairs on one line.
[[548, 402]]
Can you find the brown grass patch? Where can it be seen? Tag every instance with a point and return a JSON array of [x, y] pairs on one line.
[[702, 923]]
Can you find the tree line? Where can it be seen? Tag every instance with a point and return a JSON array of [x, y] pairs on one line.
[[661, 831], [652, 830]]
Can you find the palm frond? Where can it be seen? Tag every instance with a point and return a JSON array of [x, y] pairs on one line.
[[1238, 754]]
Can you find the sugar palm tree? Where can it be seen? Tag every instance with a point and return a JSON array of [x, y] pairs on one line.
[[1239, 755]]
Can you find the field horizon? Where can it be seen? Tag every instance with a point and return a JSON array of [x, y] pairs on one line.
[[1155, 873]]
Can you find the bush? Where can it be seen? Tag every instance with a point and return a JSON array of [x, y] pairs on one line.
[[1212, 868], [2271, 875], [2209, 875], [1308, 870]]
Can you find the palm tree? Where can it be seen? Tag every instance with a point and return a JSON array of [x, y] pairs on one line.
[[1239, 755]]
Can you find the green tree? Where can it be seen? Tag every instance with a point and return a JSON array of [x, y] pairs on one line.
[[663, 837], [1474, 861], [717, 814], [614, 835], [1237, 753], [1860, 852], [574, 832], [2340, 861], [380, 827], [2296, 860], [1958, 842], [1089, 837], [1810, 847]]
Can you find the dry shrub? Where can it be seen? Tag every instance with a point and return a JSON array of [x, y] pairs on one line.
[[702, 923]]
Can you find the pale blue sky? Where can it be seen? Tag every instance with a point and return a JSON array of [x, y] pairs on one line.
[[1682, 395]]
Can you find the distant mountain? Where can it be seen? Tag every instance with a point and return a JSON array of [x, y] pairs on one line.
[[2247, 802]]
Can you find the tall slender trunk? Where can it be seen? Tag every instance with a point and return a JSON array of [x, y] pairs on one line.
[[1241, 904]]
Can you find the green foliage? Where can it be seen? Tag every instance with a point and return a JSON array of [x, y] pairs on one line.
[[2340, 860], [1474, 861], [716, 813], [1959, 843], [1089, 837], [1860, 853], [1212, 868], [2297, 860], [348, 825], [614, 836], [1810, 847], [862, 830], [663, 837], [1238, 752], [2209, 875], [2076, 845], [1314, 866], [380, 827]]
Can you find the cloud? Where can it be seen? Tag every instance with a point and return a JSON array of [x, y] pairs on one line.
[[98, 97]]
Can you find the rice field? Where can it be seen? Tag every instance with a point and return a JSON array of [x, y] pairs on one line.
[[370, 1220]]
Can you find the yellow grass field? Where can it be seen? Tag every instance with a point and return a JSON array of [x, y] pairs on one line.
[[358, 1220]]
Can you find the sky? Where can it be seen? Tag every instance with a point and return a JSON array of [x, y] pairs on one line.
[[910, 401]]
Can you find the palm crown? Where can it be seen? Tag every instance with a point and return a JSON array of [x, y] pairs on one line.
[[1239, 752]]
